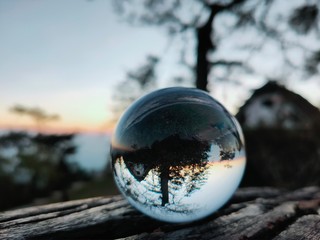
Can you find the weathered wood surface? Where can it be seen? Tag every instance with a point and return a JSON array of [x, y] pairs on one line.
[[253, 213]]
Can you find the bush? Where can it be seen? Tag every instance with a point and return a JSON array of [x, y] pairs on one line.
[[282, 158]]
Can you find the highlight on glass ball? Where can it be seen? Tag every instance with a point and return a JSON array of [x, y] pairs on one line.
[[177, 154]]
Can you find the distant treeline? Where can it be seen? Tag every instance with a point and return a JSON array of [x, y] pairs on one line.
[[36, 165]]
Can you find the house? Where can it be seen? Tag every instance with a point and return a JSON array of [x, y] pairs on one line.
[[274, 106]]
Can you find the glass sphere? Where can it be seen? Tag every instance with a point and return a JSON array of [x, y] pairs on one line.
[[177, 154]]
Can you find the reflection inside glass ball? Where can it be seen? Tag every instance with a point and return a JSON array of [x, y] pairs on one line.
[[177, 154]]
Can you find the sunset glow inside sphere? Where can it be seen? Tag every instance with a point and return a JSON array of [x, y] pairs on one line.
[[177, 154]]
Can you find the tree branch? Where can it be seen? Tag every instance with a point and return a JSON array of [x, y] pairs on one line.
[[226, 63]]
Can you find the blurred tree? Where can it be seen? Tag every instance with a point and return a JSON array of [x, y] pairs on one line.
[[135, 84], [231, 36], [56, 150], [36, 165], [38, 115]]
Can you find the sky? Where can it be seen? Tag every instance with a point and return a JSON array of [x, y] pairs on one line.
[[67, 56]]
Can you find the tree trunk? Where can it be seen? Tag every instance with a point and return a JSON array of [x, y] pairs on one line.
[[64, 195], [164, 178], [33, 185], [205, 45]]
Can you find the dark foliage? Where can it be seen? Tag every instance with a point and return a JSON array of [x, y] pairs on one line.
[[34, 166], [304, 18], [282, 158]]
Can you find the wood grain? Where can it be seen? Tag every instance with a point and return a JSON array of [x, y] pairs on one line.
[[252, 213]]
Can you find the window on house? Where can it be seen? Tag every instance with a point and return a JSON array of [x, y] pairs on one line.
[[267, 103]]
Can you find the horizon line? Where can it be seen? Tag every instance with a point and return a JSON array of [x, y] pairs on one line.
[[55, 130]]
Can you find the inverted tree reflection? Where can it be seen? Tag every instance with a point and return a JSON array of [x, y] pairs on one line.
[[170, 169]]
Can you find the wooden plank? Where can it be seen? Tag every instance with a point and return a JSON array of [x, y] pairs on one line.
[[306, 227], [63, 206], [253, 213], [60, 221], [253, 221]]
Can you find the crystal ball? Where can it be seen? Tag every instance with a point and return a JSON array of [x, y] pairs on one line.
[[177, 154]]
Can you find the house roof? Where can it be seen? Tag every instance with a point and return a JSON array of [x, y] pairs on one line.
[[273, 87]]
